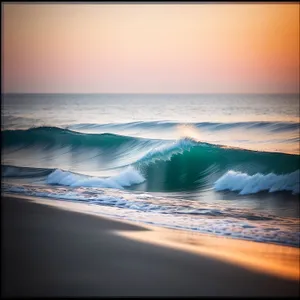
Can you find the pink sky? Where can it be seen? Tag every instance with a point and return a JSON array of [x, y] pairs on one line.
[[199, 48]]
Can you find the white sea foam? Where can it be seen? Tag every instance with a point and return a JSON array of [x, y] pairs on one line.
[[251, 184], [165, 212], [127, 177]]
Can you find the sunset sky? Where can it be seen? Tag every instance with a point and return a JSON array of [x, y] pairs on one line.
[[150, 48]]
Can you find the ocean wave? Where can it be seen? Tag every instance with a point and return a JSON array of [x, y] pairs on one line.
[[166, 165], [181, 165], [251, 184], [189, 165]]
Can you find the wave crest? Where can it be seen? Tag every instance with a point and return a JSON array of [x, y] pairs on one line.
[[165, 152]]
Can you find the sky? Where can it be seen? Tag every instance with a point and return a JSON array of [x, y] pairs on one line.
[[150, 48]]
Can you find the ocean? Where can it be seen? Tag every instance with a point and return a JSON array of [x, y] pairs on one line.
[[226, 165]]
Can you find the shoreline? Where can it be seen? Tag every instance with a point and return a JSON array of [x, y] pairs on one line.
[[278, 260], [97, 210], [200, 264]]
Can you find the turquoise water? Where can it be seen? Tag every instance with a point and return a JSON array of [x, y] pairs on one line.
[[223, 164]]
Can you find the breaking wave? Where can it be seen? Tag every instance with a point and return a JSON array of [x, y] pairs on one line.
[[160, 165]]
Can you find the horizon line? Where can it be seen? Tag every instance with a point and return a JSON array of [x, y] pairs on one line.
[[145, 93]]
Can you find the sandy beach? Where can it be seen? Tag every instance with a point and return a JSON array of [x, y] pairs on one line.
[[48, 251]]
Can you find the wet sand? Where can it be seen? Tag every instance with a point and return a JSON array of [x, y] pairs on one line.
[[49, 251]]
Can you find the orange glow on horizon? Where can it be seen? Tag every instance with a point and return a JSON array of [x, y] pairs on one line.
[[199, 48]]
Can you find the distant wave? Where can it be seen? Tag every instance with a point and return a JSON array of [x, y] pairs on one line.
[[271, 126], [55, 135], [12, 122]]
